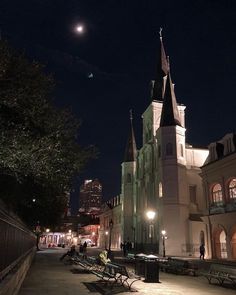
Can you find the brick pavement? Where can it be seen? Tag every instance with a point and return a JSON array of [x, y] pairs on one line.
[[49, 276]]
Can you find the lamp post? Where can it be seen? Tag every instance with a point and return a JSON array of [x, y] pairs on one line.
[[70, 236], [164, 237], [110, 227], [133, 229], [151, 215], [106, 233]]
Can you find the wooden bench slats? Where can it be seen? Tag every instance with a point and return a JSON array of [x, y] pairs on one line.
[[118, 273]]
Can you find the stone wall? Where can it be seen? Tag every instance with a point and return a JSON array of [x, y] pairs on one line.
[[11, 284]]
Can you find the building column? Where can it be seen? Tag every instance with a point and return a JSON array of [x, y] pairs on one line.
[[228, 246]]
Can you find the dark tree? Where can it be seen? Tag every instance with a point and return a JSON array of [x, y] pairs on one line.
[[39, 150]]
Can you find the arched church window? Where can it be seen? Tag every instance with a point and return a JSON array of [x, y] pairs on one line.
[[128, 178], [169, 149], [160, 190], [232, 189], [217, 193]]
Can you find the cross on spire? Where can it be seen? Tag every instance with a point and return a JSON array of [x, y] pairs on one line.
[[131, 114], [160, 32]]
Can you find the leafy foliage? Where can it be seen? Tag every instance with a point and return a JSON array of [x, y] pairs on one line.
[[39, 154]]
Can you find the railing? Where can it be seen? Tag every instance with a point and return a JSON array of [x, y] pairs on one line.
[[16, 241]]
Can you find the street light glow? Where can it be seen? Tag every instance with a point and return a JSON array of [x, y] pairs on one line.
[[106, 233], [151, 215], [163, 232]]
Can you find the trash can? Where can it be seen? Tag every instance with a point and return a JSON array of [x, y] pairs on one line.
[[152, 269], [140, 264]]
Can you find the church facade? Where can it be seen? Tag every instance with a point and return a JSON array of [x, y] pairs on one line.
[[174, 197], [163, 177]]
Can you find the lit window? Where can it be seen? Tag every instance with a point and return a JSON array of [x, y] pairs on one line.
[[181, 150], [217, 193], [160, 190], [232, 189]]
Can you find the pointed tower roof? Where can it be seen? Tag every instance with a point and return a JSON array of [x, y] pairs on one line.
[[131, 150], [170, 114], [162, 71]]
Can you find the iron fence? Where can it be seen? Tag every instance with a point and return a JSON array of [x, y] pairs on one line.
[[16, 240]]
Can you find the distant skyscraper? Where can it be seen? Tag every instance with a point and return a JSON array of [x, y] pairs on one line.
[[90, 197]]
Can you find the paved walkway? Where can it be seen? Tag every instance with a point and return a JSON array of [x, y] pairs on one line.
[[49, 276]]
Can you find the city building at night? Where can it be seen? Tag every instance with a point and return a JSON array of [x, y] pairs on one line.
[[90, 197], [110, 231], [219, 182]]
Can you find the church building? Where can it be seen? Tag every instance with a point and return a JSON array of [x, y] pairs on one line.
[[162, 193], [163, 207]]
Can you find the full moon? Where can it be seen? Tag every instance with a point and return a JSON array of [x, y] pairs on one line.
[[79, 28]]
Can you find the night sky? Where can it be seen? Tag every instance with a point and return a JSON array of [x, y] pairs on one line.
[[119, 47]]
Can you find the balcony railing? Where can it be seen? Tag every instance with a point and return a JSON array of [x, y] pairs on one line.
[[217, 207]]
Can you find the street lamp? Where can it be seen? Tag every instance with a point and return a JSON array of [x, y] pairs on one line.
[[133, 229], [106, 234], [164, 237], [151, 215], [110, 226]]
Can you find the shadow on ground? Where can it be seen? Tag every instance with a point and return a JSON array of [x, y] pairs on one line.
[[79, 271], [105, 288]]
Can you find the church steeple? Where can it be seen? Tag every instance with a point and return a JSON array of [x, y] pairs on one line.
[[170, 114], [162, 71], [131, 150]]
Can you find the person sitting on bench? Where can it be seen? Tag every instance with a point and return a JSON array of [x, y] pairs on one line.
[[71, 253], [103, 259]]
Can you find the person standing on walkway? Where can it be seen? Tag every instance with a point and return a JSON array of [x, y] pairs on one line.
[[125, 248], [85, 248], [202, 252]]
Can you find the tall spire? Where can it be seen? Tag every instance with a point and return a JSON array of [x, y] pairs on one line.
[[162, 71], [131, 150], [170, 114]]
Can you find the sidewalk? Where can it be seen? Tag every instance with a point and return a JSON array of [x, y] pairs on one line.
[[49, 276]]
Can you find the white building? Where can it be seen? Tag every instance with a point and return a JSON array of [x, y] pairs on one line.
[[163, 176], [191, 191]]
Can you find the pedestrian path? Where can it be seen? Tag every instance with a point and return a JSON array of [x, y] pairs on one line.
[[49, 276]]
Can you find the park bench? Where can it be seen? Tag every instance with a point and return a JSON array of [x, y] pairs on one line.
[[178, 266], [87, 262], [116, 273], [220, 273]]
